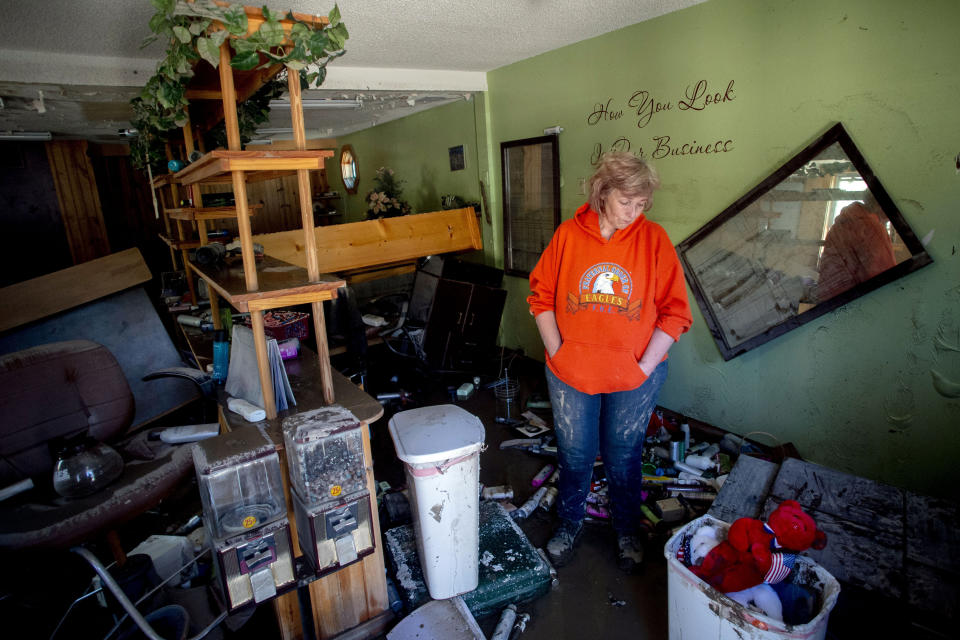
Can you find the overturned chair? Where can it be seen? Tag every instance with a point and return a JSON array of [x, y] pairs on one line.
[[64, 391]]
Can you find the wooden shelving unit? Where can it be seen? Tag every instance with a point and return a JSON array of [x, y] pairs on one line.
[[251, 285]]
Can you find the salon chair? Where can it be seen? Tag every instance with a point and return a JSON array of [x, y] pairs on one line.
[[60, 391]]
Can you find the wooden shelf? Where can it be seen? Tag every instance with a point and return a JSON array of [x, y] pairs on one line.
[[180, 245], [281, 284], [163, 180], [193, 214], [215, 166]]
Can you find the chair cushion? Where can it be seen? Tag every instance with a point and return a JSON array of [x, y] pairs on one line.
[[54, 391], [43, 520]]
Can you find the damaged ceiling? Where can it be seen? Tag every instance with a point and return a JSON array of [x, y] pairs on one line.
[[70, 67]]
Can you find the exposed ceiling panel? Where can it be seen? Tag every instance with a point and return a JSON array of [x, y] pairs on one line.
[[402, 55]]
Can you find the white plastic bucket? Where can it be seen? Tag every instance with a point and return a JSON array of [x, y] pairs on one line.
[[440, 447], [697, 610]]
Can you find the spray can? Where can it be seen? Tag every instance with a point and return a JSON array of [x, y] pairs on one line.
[[542, 476], [549, 498], [528, 507], [499, 492], [505, 626], [221, 357]]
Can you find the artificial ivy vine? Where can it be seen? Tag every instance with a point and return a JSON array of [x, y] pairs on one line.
[[186, 26]]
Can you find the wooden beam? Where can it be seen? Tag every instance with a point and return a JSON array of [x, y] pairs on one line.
[[356, 245], [65, 289]]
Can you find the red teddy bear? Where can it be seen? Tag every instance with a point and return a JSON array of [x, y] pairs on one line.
[[756, 552]]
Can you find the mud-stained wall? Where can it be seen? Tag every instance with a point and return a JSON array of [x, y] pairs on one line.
[[872, 387]]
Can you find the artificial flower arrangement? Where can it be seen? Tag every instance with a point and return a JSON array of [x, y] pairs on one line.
[[384, 200]]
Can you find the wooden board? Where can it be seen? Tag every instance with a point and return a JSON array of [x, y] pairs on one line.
[[857, 554], [40, 297], [842, 495], [280, 284], [208, 213], [745, 490], [357, 245], [79, 199], [219, 162]]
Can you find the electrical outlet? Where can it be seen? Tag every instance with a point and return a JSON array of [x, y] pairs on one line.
[[582, 186]]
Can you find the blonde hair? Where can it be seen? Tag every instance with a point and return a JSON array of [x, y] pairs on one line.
[[622, 170]]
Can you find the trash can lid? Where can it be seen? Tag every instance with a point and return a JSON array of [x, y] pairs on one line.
[[433, 434]]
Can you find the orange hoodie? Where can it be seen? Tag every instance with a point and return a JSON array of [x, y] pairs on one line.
[[608, 297]]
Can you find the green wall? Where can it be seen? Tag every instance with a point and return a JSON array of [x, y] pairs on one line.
[[886, 69], [889, 72], [416, 147]]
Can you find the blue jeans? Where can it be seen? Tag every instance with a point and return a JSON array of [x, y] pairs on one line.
[[615, 424]]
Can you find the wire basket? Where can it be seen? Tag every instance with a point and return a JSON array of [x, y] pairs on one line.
[[284, 325]]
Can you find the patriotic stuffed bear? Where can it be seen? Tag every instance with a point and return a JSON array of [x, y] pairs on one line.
[[760, 553]]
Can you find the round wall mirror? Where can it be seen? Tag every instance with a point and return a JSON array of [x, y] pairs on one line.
[[348, 169]]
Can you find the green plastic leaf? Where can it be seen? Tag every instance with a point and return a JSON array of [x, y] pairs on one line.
[[196, 28], [270, 15], [158, 22], [164, 5], [245, 61], [183, 35], [235, 19], [243, 46], [218, 37], [299, 31], [272, 33], [334, 15], [321, 75], [337, 35], [295, 65], [209, 50]]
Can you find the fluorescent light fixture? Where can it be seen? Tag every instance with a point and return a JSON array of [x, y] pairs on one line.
[[271, 132], [23, 136], [321, 103], [258, 142]]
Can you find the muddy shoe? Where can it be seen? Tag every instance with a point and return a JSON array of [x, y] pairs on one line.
[[564, 541], [630, 555]]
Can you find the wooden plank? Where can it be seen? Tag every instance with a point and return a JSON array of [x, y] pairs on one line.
[[328, 616], [179, 244], [312, 143], [744, 491], [932, 526], [208, 213], [221, 161], [276, 302], [43, 296], [276, 279], [372, 242], [845, 496], [933, 591], [858, 554], [78, 199], [375, 579], [356, 277]]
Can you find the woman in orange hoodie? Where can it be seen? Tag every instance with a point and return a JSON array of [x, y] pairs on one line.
[[609, 299]]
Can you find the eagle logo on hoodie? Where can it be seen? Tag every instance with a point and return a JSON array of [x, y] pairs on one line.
[[604, 287]]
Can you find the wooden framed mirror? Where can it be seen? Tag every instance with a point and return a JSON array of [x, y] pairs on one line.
[[819, 232], [348, 169]]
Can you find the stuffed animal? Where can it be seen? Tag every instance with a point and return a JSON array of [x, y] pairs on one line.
[[760, 598], [756, 552]]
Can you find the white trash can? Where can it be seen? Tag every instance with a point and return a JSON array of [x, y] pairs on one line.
[[697, 610], [440, 447]]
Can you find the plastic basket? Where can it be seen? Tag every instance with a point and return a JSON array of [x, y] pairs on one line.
[[284, 325]]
